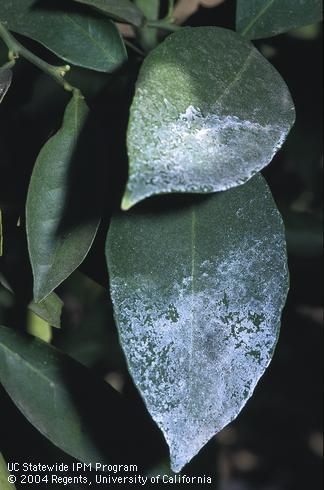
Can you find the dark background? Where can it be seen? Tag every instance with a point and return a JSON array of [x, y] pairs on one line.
[[276, 442]]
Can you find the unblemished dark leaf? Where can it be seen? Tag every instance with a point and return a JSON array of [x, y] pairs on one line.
[[122, 10], [198, 293], [56, 251], [59, 396], [81, 38], [5, 82], [208, 113], [257, 19], [4, 474]]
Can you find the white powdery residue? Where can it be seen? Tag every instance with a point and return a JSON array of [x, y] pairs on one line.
[[195, 151], [191, 114], [196, 355]]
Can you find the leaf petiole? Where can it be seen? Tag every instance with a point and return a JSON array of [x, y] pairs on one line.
[[170, 10], [165, 24], [17, 50]]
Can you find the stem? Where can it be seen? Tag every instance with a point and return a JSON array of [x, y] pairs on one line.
[[163, 24], [167, 23], [171, 8], [16, 49], [134, 47], [8, 65]]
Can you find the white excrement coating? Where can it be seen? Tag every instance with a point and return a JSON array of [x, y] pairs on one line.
[[197, 350], [195, 152]]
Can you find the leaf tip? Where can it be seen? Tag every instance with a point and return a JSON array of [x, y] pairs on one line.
[[127, 203]]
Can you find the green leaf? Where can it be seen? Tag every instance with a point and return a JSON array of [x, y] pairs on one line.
[[38, 327], [82, 39], [257, 19], [59, 396], [209, 112], [4, 474], [57, 248], [122, 10], [198, 292], [50, 309], [5, 82]]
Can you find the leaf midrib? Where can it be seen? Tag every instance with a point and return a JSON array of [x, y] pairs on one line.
[[243, 68], [192, 323], [92, 39], [257, 17]]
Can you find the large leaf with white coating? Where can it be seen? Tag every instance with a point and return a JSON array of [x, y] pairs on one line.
[[208, 113], [57, 243], [123, 10], [80, 38], [198, 292], [265, 18]]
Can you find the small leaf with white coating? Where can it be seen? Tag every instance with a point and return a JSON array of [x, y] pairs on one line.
[[208, 113]]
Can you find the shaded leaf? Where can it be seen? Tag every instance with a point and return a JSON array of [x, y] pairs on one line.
[[257, 19], [122, 10], [82, 39], [208, 112], [55, 249], [4, 484], [50, 309], [304, 233], [38, 327], [72, 408], [5, 82], [198, 292]]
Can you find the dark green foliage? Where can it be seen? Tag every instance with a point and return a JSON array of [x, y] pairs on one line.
[[197, 281]]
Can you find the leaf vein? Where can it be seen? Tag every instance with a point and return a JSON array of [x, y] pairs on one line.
[[257, 17]]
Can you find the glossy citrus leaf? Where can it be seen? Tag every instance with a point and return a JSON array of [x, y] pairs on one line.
[[208, 113], [75, 410], [265, 18], [80, 38], [198, 292], [122, 10], [57, 249], [4, 474]]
